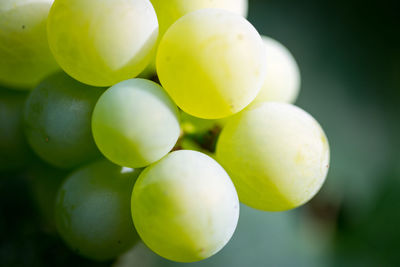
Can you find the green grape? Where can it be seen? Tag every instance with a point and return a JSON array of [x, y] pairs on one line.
[[14, 150], [45, 183], [170, 11], [57, 121], [135, 123], [93, 212], [282, 83], [102, 42], [185, 207], [212, 63], [25, 57], [276, 154]]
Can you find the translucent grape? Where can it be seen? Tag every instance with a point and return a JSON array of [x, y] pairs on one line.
[[185, 207], [282, 83], [14, 150], [170, 11], [93, 211], [276, 154], [102, 42], [212, 63], [25, 57], [135, 123], [58, 118]]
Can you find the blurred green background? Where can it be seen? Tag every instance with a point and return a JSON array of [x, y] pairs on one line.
[[349, 56]]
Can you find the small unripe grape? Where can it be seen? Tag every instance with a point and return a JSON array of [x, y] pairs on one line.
[[14, 150], [212, 63], [93, 212], [276, 154], [57, 121], [185, 207]]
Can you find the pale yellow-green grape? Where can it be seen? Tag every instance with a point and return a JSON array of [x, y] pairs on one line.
[[25, 57], [282, 82], [135, 123], [102, 42], [93, 212], [212, 63], [276, 154], [170, 11], [184, 207]]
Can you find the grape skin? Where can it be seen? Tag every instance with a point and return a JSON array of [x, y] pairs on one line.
[[135, 123], [24, 51], [14, 150], [170, 11], [276, 154], [102, 42], [212, 63], [185, 207], [282, 81], [57, 121], [93, 212]]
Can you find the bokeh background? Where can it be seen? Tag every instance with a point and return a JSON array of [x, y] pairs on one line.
[[349, 56]]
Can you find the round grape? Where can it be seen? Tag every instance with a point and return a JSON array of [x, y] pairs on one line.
[[135, 123], [57, 121], [170, 11], [282, 81], [102, 42], [212, 63], [93, 212], [25, 57], [276, 154], [185, 207], [14, 150]]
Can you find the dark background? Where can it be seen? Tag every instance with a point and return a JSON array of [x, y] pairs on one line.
[[349, 57]]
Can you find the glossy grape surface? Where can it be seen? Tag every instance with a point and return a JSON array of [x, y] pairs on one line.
[[102, 42], [282, 81], [212, 63], [135, 123], [185, 207], [25, 57], [276, 154]]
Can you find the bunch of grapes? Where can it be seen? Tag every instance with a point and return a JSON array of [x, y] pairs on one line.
[[119, 84]]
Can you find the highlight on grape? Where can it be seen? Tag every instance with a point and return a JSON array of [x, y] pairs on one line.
[[164, 114]]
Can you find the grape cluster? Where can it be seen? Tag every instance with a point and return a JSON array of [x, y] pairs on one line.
[[125, 82]]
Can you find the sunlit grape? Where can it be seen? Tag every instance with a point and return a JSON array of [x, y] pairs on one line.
[[25, 57], [282, 81], [276, 154], [185, 207], [212, 63], [135, 123], [102, 42]]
